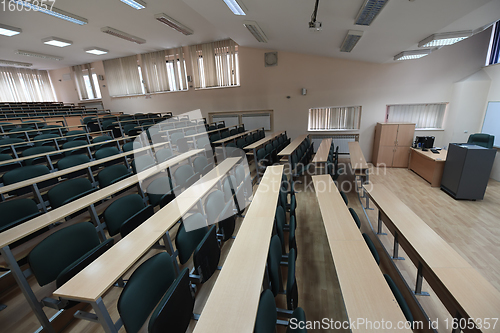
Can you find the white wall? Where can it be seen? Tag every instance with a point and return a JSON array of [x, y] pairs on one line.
[[329, 82], [494, 95]]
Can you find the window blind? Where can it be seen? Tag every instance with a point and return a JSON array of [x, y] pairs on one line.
[[164, 70], [123, 76], [334, 118], [25, 85], [80, 71], [424, 115]]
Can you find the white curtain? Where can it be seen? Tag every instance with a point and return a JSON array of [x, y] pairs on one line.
[[424, 115], [334, 118], [215, 64], [164, 70], [80, 71], [25, 85], [123, 76]]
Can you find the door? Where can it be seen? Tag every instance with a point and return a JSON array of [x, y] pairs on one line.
[[385, 156], [405, 135], [401, 157]]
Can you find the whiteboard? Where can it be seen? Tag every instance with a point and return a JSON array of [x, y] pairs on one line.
[[256, 120], [491, 124]]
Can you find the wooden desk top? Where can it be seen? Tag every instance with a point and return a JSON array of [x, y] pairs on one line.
[[40, 129], [288, 150], [321, 155], [264, 141], [92, 282], [338, 221], [358, 161], [57, 138], [236, 136], [232, 307], [11, 235], [441, 157]]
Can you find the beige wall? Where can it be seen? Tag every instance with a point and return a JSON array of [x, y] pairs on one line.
[[329, 82], [494, 95]]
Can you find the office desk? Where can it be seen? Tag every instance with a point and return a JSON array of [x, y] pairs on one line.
[[428, 165]]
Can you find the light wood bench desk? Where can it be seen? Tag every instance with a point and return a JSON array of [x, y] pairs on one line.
[[428, 165], [262, 142], [365, 291], [461, 289], [92, 282], [288, 150], [234, 299], [360, 169], [236, 136], [23, 230], [322, 153], [41, 130]]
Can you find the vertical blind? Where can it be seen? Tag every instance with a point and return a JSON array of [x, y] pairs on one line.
[[25, 85], [123, 76], [424, 115], [80, 71], [164, 70], [494, 51], [215, 64], [333, 118]]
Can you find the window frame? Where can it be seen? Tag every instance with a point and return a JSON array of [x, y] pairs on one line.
[[446, 104], [335, 129]]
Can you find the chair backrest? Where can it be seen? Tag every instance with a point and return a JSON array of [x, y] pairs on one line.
[[214, 137], [112, 174], [144, 290], [182, 145], [121, 210], [101, 138], [190, 132], [240, 143], [175, 310], [45, 137], [229, 187], [72, 144], [36, 151], [207, 254], [256, 137], [163, 154], [372, 248], [5, 157], [274, 260], [68, 190], [399, 298], [202, 142], [187, 242], [24, 173], [280, 218], [176, 136], [72, 138], [291, 284], [71, 161], [129, 146], [481, 139], [241, 129], [214, 204], [183, 175], [355, 217], [269, 148], [61, 249], [158, 188], [200, 164], [344, 196], [16, 211], [106, 152], [240, 174], [232, 132], [265, 321]]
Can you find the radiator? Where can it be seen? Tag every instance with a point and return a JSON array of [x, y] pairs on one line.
[[340, 140]]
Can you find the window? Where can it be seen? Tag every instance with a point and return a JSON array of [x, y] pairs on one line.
[[426, 116], [215, 64], [25, 85], [88, 88], [164, 71], [251, 119], [334, 118], [123, 76], [494, 49]]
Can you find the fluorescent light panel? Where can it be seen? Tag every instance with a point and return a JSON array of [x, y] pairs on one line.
[[137, 4], [55, 41], [123, 35], [164, 18], [96, 50], [54, 12], [236, 7], [256, 31], [414, 54], [39, 55], [446, 38], [15, 63], [369, 11], [7, 30], [350, 40]]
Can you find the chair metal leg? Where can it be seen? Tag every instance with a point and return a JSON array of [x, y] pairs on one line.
[[104, 318]]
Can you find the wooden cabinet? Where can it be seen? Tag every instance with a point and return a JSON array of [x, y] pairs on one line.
[[392, 144]]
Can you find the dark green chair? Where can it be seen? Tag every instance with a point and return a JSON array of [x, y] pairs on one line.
[[185, 176], [481, 139], [142, 163], [76, 135], [372, 248], [69, 190], [112, 174], [144, 290], [355, 217], [66, 252], [274, 262], [37, 151], [344, 196], [160, 191], [108, 152], [54, 129], [103, 138], [7, 167], [267, 317], [202, 142], [163, 155], [206, 256], [17, 211], [218, 211], [45, 139], [10, 141], [201, 165], [71, 161], [74, 144], [129, 146], [24, 173], [280, 219], [186, 242], [399, 298], [121, 210]]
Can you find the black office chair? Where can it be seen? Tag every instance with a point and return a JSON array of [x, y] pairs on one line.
[[483, 140]]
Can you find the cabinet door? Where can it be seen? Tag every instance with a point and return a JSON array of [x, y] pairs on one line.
[[385, 156], [389, 134], [405, 135], [401, 157]]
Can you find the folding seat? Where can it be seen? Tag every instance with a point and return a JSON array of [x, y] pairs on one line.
[[224, 134], [17, 211], [182, 145], [298, 169], [73, 144], [202, 142], [280, 220], [9, 166], [24, 173], [185, 176], [231, 194], [48, 139], [355, 217], [10, 141], [161, 192], [263, 161], [244, 183], [241, 129], [37, 151], [16, 133], [76, 135], [107, 152], [190, 132], [215, 137], [163, 155], [232, 132], [248, 140], [112, 174], [202, 165], [240, 143], [344, 196], [218, 211], [267, 317], [221, 125], [372, 248], [175, 136], [69, 190], [129, 146], [71, 161], [399, 298], [130, 129], [141, 163], [256, 137], [127, 213], [103, 138], [212, 127]]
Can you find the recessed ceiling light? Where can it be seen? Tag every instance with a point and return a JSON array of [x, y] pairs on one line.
[[96, 50], [9, 31], [123, 35], [369, 11], [54, 41], [256, 31], [39, 55], [56, 12], [236, 7], [446, 38], [137, 4], [414, 54], [350, 40], [15, 63], [164, 18]]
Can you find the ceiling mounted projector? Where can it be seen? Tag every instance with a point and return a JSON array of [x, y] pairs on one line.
[[313, 24]]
